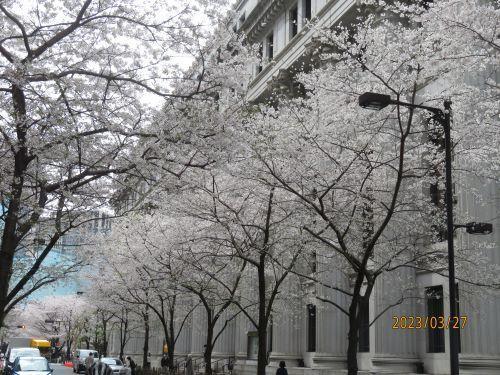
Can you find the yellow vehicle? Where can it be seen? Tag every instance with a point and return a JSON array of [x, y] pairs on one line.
[[43, 345]]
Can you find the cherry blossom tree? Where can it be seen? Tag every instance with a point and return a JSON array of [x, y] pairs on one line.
[[61, 317], [365, 178], [214, 279], [139, 266], [242, 218], [79, 80]]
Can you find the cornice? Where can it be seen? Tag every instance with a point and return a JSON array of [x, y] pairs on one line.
[[263, 15]]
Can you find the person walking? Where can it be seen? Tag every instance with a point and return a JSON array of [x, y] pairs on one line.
[[282, 369], [132, 365], [164, 361], [189, 365], [89, 362]]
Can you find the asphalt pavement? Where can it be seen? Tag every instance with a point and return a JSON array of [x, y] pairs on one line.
[[59, 369]]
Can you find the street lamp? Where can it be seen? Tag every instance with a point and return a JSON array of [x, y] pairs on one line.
[[476, 228], [371, 100]]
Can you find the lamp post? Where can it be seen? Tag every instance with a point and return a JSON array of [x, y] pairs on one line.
[[377, 101]]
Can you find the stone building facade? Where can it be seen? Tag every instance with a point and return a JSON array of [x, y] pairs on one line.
[[313, 339]]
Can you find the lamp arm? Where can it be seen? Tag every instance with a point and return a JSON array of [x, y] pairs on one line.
[[436, 111]]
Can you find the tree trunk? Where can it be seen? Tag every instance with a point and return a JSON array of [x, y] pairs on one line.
[[208, 346], [145, 349], [68, 348], [170, 354], [352, 348], [104, 337], [262, 355], [10, 239], [123, 337], [171, 329], [170, 340], [262, 322], [352, 336]]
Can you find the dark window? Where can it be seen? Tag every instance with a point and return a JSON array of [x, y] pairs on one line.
[[313, 262], [426, 4], [252, 345], [270, 46], [307, 10], [260, 52], [364, 325], [435, 336], [311, 328], [294, 21]]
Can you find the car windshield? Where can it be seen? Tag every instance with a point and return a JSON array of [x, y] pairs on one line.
[[112, 361], [32, 364], [23, 353]]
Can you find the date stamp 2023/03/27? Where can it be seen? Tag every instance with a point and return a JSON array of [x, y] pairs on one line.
[[432, 322]]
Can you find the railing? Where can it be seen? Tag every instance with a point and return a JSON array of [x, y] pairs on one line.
[[180, 366], [197, 364], [220, 366]]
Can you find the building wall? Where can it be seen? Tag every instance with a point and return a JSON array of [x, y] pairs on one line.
[[395, 351]]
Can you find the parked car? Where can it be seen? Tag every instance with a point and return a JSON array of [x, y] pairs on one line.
[[115, 364], [31, 366], [80, 357], [13, 353]]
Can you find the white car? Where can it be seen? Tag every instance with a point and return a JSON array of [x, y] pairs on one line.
[[31, 366], [115, 364], [13, 353]]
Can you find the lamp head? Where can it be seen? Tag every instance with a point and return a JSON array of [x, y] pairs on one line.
[[372, 100], [479, 228]]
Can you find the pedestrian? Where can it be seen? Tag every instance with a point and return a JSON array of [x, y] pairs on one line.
[[189, 365], [132, 365], [282, 369], [89, 361], [164, 361]]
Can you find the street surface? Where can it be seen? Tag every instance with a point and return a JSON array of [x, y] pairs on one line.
[[59, 369]]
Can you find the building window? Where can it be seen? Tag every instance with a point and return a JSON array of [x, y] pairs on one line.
[[252, 345], [426, 4], [435, 336], [313, 262], [307, 10], [311, 328], [270, 46], [260, 57], [364, 325], [294, 21]]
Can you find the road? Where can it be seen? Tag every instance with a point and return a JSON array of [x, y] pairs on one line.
[[61, 370]]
